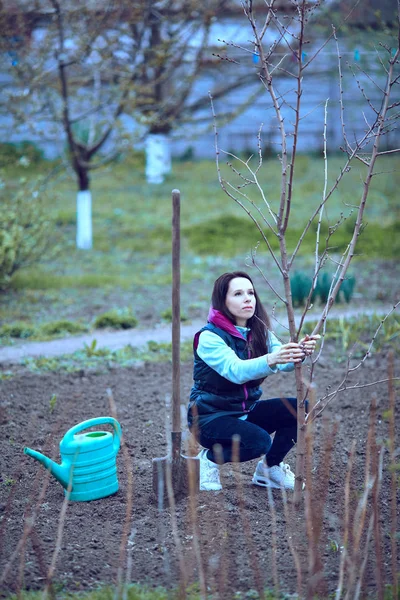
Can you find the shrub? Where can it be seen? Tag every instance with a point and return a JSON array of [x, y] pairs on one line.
[[323, 287], [18, 329], [167, 315], [11, 153], [26, 233], [62, 326], [300, 284], [347, 288], [117, 319]]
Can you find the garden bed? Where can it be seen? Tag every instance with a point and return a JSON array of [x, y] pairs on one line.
[[235, 527]]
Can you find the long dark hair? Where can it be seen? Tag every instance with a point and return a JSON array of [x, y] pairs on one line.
[[259, 323]]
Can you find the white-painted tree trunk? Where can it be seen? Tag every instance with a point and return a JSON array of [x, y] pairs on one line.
[[158, 157], [84, 220]]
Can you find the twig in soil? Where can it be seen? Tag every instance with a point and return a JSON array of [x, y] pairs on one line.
[[10, 499], [377, 474], [129, 500], [346, 533], [161, 528], [274, 538], [313, 558], [29, 521], [37, 548], [129, 562], [49, 591], [314, 511], [357, 568], [246, 524], [379, 569], [175, 534], [31, 531], [223, 566], [196, 537], [393, 481], [292, 546], [192, 510]]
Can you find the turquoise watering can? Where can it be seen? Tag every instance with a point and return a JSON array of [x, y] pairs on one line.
[[88, 460]]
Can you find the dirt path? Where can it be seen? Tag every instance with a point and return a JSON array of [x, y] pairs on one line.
[[135, 337]]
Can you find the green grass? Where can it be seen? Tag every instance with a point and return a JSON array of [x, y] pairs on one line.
[[135, 591], [132, 219], [132, 230], [130, 216], [37, 279]]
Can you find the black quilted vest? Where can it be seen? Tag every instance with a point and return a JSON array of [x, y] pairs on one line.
[[212, 395]]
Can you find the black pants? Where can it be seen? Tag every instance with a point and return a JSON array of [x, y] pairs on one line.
[[265, 417]]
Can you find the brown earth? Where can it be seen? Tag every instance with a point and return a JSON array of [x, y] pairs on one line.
[[234, 542]]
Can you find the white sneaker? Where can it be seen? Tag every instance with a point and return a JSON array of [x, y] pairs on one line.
[[279, 476], [209, 473]]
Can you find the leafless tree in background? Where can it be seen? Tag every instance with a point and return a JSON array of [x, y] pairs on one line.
[[102, 76]]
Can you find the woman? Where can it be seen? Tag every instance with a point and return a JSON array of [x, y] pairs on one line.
[[233, 354]]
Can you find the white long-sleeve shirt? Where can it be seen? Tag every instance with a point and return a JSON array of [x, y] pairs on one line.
[[219, 356]]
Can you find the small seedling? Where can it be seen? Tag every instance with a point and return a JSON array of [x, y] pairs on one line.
[[53, 402], [93, 350], [9, 481], [334, 546]]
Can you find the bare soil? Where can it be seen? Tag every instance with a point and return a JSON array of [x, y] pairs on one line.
[[233, 541]]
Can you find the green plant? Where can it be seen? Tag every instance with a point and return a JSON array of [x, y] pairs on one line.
[[92, 350], [41, 364], [347, 288], [6, 375], [300, 284], [18, 329], [166, 315], [322, 288], [162, 350], [8, 481], [26, 232], [61, 327], [11, 153], [117, 319], [53, 402], [188, 155]]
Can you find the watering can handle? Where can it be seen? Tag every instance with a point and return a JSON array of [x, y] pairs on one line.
[[97, 421]]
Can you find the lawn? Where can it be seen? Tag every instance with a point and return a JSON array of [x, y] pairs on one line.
[[129, 266]]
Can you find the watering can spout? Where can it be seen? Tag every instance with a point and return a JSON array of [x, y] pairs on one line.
[[60, 472]]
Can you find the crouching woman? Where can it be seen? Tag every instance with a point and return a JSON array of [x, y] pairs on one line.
[[233, 354]]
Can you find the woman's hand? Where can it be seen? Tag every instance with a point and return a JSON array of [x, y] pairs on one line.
[[288, 353], [308, 343]]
